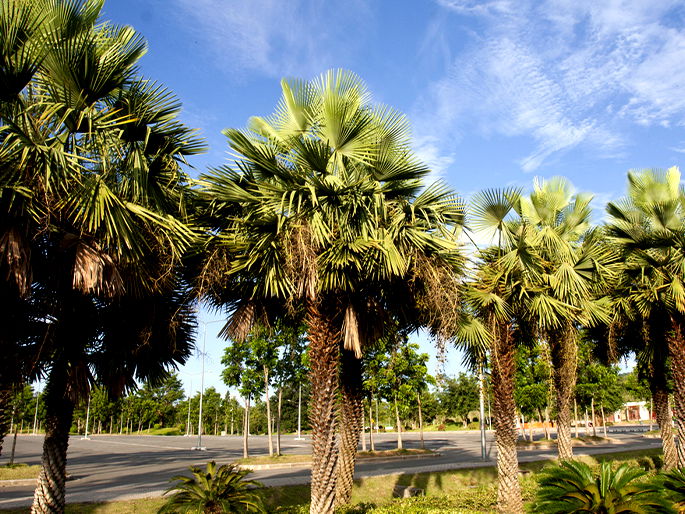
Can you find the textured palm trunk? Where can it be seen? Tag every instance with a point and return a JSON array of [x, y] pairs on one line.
[[324, 352], [662, 410], [503, 368], [676, 347], [49, 496], [564, 362], [351, 424], [5, 414]]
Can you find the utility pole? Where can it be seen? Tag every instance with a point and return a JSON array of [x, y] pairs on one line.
[[35, 415], [481, 394], [202, 390], [85, 435], [299, 416]]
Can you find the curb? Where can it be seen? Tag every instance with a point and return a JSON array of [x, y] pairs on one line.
[[18, 482]]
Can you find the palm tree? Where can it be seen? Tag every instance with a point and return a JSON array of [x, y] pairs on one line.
[[573, 487], [576, 265], [499, 294], [648, 226], [325, 210], [214, 490], [91, 194]]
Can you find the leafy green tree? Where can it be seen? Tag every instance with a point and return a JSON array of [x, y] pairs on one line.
[[326, 210], [459, 396], [242, 370], [533, 375]]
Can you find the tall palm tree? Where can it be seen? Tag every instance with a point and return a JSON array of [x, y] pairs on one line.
[[648, 226], [575, 267], [91, 193], [325, 209], [501, 281]]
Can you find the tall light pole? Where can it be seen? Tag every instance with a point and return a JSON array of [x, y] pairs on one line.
[[35, 414], [202, 385], [85, 435], [188, 422], [481, 390]]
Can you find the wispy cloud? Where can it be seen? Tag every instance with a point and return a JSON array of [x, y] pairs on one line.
[[564, 72], [275, 38]]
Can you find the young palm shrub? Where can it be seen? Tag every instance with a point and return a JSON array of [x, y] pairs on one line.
[[573, 487], [222, 489], [674, 481]]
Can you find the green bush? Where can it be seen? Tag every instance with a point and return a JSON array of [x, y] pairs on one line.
[[573, 487], [674, 482], [222, 489]]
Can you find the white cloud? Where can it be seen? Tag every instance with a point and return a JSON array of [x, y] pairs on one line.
[[427, 150], [275, 38], [564, 72]]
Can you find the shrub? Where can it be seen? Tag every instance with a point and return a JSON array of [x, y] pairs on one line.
[[572, 487], [674, 482], [215, 490]]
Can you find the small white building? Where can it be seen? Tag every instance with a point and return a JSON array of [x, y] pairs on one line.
[[631, 412]]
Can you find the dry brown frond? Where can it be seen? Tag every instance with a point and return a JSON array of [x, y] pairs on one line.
[[351, 337], [438, 292], [300, 261], [242, 320], [16, 254], [95, 271], [215, 271]]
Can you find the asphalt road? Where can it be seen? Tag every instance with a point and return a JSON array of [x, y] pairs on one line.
[[123, 467]]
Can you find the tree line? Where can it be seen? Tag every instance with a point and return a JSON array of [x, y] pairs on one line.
[[323, 219]]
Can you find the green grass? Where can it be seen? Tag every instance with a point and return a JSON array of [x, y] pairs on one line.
[[294, 459], [18, 472]]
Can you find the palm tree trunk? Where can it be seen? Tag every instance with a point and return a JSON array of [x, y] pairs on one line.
[[662, 409], [351, 424], [268, 412], [503, 368], [49, 496], [676, 348], [324, 355], [564, 362], [604, 420]]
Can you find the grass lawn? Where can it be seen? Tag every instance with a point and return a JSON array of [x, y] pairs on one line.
[[293, 459], [18, 472], [465, 491]]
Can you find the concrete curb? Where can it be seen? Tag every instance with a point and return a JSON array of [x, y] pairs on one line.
[[17, 482], [290, 465]]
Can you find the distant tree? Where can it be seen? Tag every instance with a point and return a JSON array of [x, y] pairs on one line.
[[459, 396], [533, 374], [242, 369]]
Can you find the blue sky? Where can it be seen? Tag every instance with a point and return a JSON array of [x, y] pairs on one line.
[[497, 92]]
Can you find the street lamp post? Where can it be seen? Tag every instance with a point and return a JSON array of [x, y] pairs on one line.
[[85, 435], [35, 415], [202, 385], [481, 380]]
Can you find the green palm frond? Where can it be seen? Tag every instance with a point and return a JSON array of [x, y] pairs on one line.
[[222, 489], [573, 487]]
